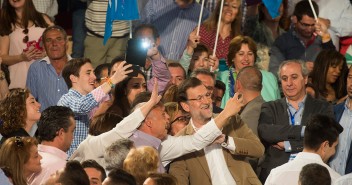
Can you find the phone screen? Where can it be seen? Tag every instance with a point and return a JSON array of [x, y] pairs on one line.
[[137, 52]]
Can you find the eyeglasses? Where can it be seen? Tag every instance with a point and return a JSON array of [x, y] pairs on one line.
[[184, 119], [207, 96], [19, 142], [306, 25], [25, 39]]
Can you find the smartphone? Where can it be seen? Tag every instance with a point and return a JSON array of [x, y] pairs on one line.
[[136, 53], [135, 70]]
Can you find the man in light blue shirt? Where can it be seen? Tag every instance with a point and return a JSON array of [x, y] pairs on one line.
[[44, 77]]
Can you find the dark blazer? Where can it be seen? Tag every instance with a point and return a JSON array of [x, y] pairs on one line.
[[338, 110], [274, 126]]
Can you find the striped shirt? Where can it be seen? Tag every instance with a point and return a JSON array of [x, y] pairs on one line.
[[81, 105], [95, 21], [173, 23], [45, 84]]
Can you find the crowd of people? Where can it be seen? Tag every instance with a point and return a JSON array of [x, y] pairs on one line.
[[268, 103]]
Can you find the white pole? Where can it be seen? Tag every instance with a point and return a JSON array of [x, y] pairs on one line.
[[314, 13], [217, 31], [130, 28], [200, 17]]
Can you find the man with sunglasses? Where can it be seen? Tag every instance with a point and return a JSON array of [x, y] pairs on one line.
[[223, 163], [306, 38]]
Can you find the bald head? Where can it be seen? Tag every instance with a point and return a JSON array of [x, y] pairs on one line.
[[250, 78]]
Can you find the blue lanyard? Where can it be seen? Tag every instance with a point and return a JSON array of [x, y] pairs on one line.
[[292, 116]]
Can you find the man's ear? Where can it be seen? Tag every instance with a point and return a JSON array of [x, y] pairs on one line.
[[294, 19], [60, 133], [73, 79], [185, 106]]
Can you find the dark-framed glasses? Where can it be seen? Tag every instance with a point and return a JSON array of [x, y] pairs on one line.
[[207, 96], [305, 25]]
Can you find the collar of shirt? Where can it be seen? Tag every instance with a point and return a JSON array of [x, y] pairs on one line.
[[52, 150], [153, 141], [47, 60], [308, 155], [346, 104], [76, 93], [310, 42], [300, 104]]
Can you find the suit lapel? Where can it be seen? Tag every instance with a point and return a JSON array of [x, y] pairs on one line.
[[308, 107], [284, 110]]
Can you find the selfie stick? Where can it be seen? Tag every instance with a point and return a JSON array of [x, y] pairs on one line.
[[200, 17], [314, 13], [217, 31]]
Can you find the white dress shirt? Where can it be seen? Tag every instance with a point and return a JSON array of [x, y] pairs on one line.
[[288, 173]]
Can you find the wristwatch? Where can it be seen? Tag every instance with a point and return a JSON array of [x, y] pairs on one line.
[[224, 144], [2, 75]]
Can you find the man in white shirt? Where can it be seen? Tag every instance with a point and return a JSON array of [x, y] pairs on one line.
[[150, 114], [55, 134], [319, 144], [223, 163]]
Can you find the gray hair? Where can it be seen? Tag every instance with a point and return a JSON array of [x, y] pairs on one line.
[[304, 69], [204, 72], [116, 153]]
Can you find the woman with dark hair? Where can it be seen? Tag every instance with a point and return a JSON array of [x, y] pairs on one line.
[[329, 76], [198, 60], [20, 32], [242, 53], [126, 91], [20, 155], [19, 111]]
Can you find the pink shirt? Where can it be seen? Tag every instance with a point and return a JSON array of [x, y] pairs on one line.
[[18, 72], [53, 159]]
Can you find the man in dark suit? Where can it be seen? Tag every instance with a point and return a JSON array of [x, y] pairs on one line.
[[282, 122], [342, 161]]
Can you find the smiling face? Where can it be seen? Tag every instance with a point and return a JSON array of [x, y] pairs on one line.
[[230, 11], [333, 73], [55, 44], [244, 57], [202, 62], [84, 82], [32, 107], [199, 104], [33, 163]]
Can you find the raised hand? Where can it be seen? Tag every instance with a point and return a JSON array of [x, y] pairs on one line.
[[121, 72], [155, 98], [213, 62], [234, 105]]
